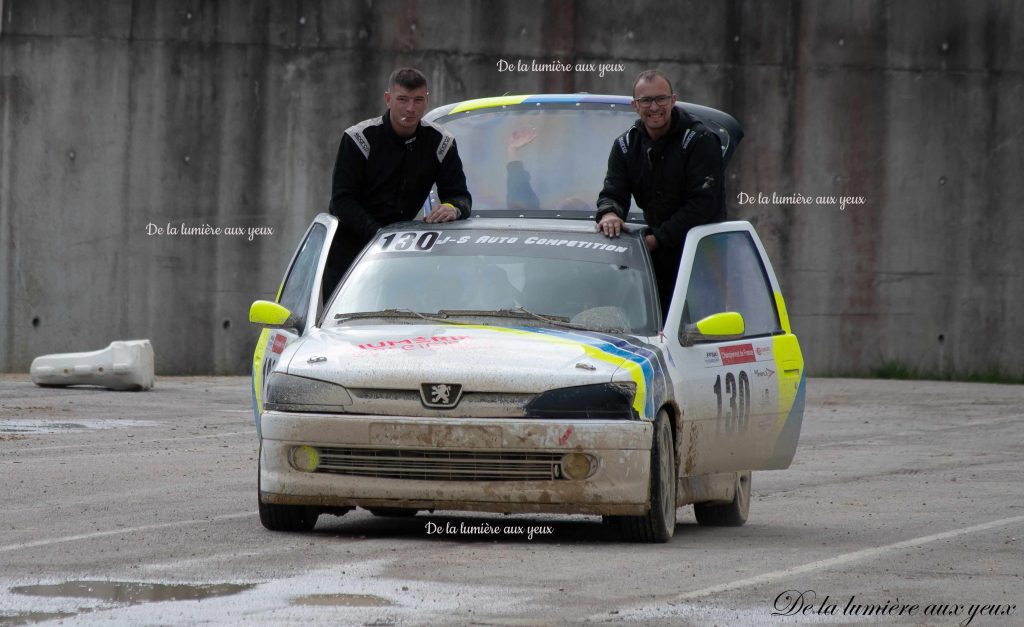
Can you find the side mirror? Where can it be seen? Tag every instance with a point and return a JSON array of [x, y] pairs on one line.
[[268, 314], [719, 327]]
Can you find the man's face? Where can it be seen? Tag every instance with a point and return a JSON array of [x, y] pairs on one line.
[[655, 117], [406, 107]]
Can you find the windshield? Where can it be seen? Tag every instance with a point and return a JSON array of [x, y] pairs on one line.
[[550, 156], [583, 279]]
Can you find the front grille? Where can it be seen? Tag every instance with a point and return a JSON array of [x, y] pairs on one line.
[[441, 465], [387, 402]]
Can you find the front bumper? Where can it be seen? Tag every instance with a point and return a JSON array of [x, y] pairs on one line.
[[426, 450]]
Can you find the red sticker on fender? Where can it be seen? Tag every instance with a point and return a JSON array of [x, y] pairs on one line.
[[565, 437], [737, 354], [279, 343]]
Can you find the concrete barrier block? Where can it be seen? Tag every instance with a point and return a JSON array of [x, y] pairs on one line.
[[126, 365]]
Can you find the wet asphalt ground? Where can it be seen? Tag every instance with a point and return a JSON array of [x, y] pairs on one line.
[[905, 500]]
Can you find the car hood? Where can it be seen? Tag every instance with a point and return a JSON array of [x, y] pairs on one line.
[[481, 358]]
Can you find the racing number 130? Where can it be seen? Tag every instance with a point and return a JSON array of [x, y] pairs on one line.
[[738, 395], [412, 241]]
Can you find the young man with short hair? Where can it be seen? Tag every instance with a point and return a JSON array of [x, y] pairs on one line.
[[385, 168]]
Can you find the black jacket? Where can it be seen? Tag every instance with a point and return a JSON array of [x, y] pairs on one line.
[[381, 178], [518, 188], [677, 179]]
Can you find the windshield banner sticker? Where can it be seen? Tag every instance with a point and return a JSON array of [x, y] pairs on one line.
[[571, 243], [580, 246], [410, 241]]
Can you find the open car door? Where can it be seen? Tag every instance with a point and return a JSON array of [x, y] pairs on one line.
[[740, 374], [300, 293]]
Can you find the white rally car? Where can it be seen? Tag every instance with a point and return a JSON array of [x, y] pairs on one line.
[[519, 362]]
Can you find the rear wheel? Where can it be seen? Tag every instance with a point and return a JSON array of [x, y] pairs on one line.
[[659, 523], [732, 514]]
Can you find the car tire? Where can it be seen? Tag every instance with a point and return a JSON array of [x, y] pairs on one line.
[[732, 514], [288, 517], [283, 517], [393, 512], [659, 523]]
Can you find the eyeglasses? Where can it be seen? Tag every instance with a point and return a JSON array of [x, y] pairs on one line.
[[647, 101]]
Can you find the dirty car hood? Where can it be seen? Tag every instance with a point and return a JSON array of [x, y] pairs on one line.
[[481, 358]]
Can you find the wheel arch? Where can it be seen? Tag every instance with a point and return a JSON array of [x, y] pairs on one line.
[[675, 415]]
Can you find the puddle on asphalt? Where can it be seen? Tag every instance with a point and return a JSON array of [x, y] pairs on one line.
[[40, 425], [343, 600], [27, 618], [132, 592]]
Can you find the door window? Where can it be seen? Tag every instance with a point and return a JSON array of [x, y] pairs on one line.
[[727, 275], [299, 283]]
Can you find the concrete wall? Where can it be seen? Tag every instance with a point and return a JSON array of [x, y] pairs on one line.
[[118, 114]]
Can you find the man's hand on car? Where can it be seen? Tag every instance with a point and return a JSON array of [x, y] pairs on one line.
[[442, 213], [611, 225]]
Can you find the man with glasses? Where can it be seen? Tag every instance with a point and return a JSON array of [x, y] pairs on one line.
[[385, 169], [672, 165]]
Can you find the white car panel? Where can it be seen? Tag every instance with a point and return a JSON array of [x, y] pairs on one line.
[[387, 409]]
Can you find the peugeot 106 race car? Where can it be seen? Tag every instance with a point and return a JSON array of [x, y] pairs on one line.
[[517, 361]]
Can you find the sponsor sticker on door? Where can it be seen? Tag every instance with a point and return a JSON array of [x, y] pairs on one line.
[[737, 354]]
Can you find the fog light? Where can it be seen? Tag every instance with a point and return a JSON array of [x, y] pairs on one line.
[[576, 466], [305, 458]]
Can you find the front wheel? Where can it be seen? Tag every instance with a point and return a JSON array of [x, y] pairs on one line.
[[659, 523], [283, 517], [732, 514], [393, 512], [288, 517]]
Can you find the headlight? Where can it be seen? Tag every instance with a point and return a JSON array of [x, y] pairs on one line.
[[603, 400], [287, 392]]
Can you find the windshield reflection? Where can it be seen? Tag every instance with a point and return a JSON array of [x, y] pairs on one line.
[[551, 157], [598, 296]]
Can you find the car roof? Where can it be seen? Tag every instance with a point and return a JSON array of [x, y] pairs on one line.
[[729, 131]]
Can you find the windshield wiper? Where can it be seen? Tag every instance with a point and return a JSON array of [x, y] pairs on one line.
[[517, 312], [384, 313], [442, 316]]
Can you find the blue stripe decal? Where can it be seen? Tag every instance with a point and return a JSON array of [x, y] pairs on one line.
[[551, 98], [587, 98], [646, 358], [785, 443]]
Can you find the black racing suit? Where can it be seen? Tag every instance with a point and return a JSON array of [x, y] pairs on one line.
[[381, 178], [676, 179]]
